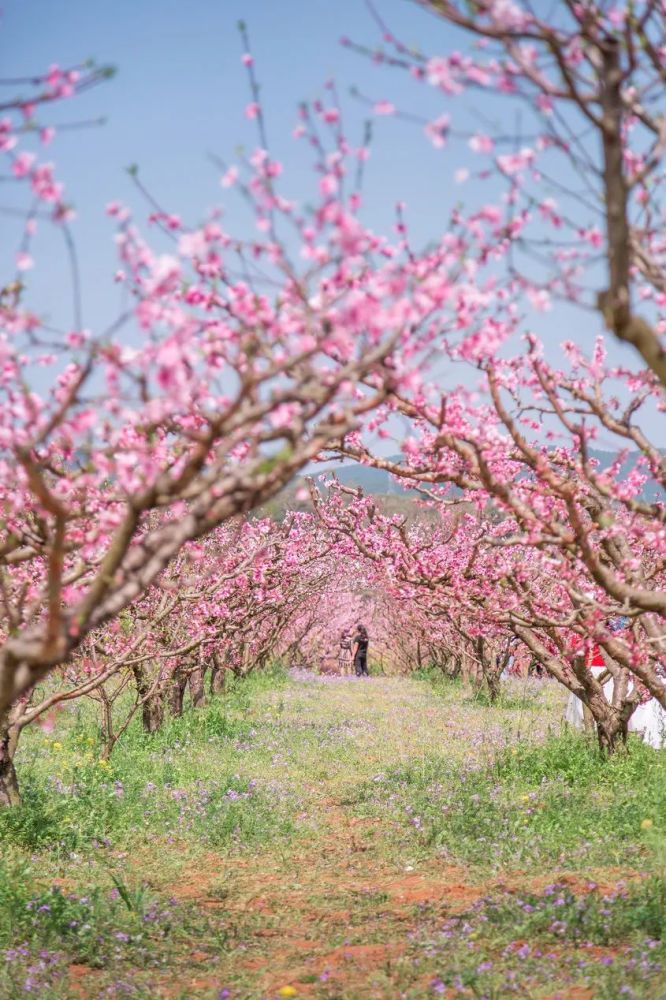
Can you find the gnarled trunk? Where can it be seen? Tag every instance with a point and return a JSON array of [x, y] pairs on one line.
[[611, 732], [195, 682], [218, 675], [490, 669], [493, 685], [468, 668], [612, 720], [176, 693], [9, 786], [152, 709], [452, 666]]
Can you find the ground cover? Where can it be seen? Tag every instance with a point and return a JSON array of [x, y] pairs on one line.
[[336, 838]]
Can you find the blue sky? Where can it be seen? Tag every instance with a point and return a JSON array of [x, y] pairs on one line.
[[179, 94]]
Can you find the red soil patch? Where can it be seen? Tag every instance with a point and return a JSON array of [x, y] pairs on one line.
[[363, 955], [450, 887], [81, 979], [351, 964]]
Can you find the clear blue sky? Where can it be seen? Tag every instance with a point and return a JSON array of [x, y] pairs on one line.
[[179, 93]]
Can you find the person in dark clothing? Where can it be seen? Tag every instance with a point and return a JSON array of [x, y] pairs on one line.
[[361, 651]]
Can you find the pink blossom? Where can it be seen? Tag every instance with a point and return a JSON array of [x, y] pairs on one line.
[[540, 299], [193, 244], [230, 177], [328, 185], [593, 236], [437, 131], [507, 14], [438, 73], [54, 75], [512, 163], [616, 16], [24, 261], [22, 164], [480, 143], [544, 104], [77, 338], [283, 415]]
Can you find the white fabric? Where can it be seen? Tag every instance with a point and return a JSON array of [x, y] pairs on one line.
[[573, 714], [649, 720]]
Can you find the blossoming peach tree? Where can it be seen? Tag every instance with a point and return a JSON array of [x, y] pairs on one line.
[[581, 168], [236, 361], [568, 218]]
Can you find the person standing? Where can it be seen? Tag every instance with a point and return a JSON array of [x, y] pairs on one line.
[[345, 653], [361, 651]]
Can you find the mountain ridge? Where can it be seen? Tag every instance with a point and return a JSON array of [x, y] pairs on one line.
[[380, 482]]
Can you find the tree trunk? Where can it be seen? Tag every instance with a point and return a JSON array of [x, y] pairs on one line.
[[613, 721], [489, 669], [611, 726], [610, 733], [195, 682], [9, 786], [152, 713], [467, 668], [108, 738], [454, 666], [218, 676], [493, 685], [588, 720], [152, 709], [176, 693]]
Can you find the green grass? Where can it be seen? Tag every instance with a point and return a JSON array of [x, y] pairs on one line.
[[44, 929], [183, 782], [173, 795], [557, 803], [318, 834], [513, 942]]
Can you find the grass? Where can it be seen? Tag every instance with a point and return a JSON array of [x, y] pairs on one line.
[[46, 929], [556, 803], [347, 839], [183, 782]]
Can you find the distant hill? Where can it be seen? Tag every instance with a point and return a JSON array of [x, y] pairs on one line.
[[377, 481], [652, 492], [370, 480]]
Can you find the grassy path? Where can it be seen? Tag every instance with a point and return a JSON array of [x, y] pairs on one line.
[[354, 907], [331, 914], [335, 838]]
